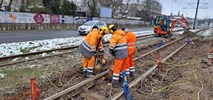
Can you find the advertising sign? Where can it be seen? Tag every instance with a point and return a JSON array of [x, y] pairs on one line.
[[25, 18], [2, 17], [55, 19], [8, 17], [11, 17], [38, 18], [106, 12]]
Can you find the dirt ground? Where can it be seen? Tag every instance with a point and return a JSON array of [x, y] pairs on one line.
[[183, 77], [53, 74]]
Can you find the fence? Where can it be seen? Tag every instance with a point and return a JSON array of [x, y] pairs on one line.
[[36, 21]]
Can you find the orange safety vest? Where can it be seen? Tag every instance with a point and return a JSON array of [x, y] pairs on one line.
[[90, 43], [131, 42], [119, 44]]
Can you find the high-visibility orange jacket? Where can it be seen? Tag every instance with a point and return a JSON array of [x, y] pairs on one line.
[[118, 44], [131, 42], [90, 43]]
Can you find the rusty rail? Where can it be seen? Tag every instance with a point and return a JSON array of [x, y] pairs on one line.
[[147, 73], [12, 63], [74, 87]]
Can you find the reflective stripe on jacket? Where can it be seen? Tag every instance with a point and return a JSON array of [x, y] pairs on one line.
[[131, 42], [90, 43], [118, 43]]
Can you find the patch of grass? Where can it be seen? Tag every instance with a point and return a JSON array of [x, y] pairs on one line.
[[27, 50], [14, 76], [24, 50]]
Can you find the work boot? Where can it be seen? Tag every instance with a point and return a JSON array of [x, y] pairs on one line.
[[114, 83], [85, 74], [89, 75]]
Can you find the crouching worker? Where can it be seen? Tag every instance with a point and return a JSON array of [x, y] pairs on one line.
[[131, 45], [89, 47], [118, 49]]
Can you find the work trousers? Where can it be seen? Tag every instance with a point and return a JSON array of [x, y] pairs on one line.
[[119, 67], [88, 64], [130, 64]]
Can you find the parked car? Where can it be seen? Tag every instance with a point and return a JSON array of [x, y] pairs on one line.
[[87, 27]]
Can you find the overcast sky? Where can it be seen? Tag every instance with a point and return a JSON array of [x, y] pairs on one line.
[[179, 5]]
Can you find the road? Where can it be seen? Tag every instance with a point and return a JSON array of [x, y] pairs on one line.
[[20, 36]]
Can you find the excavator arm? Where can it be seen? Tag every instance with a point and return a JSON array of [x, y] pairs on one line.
[[183, 20]]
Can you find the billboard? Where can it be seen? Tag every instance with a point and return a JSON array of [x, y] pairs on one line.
[[18, 17], [55, 19], [25, 18], [106, 12], [8, 17]]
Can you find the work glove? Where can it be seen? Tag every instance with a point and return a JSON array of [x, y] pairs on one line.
[[112, 52], [94, 53]]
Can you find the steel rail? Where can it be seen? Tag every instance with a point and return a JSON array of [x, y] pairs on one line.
[[56, 49], [39, 52], [65, 48], [12, 63], [147, 73], [57, 95]]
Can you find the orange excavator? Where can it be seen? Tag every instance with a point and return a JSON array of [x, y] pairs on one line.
[[164, 25]]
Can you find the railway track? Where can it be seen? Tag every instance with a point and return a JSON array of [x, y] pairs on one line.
[[70, 50], [147, 73], [75, 89], [63, 48], [51, 50]]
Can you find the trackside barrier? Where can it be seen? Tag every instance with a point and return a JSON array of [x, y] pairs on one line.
[[47, 26]]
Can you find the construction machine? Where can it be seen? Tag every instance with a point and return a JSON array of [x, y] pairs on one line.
[[164, 25]]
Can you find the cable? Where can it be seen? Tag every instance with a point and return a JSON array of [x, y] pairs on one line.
[[191, 62], [195, 75]]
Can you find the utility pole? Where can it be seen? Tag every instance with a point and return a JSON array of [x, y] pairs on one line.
[[202, 6], [198, 1]]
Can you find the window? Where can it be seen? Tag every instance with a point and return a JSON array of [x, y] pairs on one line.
[[98, 23], [102, 24]]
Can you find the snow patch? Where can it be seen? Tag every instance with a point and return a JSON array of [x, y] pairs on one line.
[[44, 54], [208, 32], [2, 75], [32, 66], [27, 58], [7, 49]]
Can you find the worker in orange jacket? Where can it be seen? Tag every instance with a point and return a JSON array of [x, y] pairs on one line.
[[131, 45], [117, 48], [89, 48]]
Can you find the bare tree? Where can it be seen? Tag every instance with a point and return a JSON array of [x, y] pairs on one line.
[[132, 10], [106, 3], [127, 5], [92, 5], [1, 3], [9, 6], [115, 4]]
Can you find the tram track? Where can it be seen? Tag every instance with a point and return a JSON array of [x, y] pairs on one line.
[[70, 50], [82, 83], [76, 91]]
